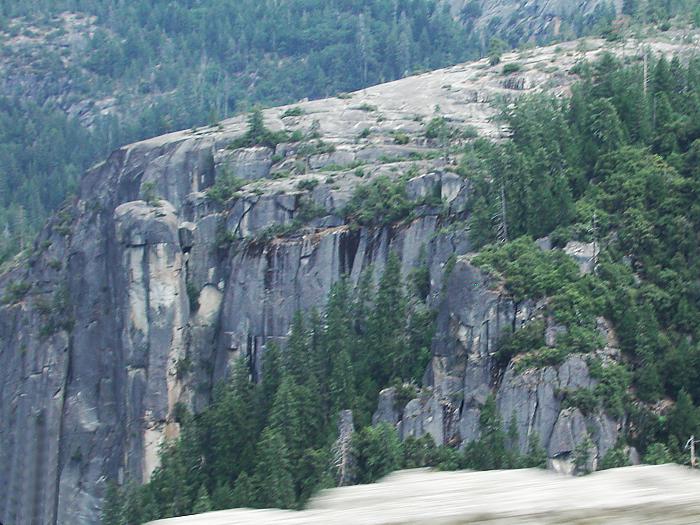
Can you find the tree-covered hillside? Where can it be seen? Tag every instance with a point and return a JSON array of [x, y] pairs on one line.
[[130, 70]]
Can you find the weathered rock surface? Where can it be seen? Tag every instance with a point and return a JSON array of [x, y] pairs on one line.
[[152, 301]]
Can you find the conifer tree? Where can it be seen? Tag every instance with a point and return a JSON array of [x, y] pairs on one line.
[[274, 486], [285, 417], [112, 507], [684, 420], [231, 427], [313, 473], [222, 496], [243, 494], [489, 451], [420, 331], [604, 126], [480, 223], [387, 324], [657, 454], [536, 456], [512, 441], [377, 452], [202, 503], [342, 383], [133, 509], [316, 364], [663, 83], [337, 342], [647, 346], [272, 372], [297, 351]]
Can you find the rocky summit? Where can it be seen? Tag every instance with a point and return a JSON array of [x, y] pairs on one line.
[[181, 253]]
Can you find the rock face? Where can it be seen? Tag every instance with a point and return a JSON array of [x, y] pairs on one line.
[[141, 291]]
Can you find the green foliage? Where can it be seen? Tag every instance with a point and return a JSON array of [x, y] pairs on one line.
[[420, 452], [384, 201], [536, 456], [377, 452], [295, 111], [436, 128], [225, 187], [541, 358], [268, 444], [112, 506], [243, 494], [399, 348], [583, 398], [530, 273], [529, 337], [16, 291], [307, 184], [657, 454], [366, 107], [183, 366], [582, 456], [496, 48], [489, 451], [257, 134], [401, 138], [613, 382], [273, 479], [380, 202], [420, 281], [614, 458], [203, 502], [317, 147], [148, 193], [512, 67], [251, 58], [614, 165], [683, 420]]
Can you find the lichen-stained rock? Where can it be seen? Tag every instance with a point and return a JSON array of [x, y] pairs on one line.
[[244, 163], [533, 398], [421, 417], [584, 253], [154, 335], [387, 411]]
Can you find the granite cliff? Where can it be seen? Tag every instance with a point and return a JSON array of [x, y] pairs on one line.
[[142, 290]]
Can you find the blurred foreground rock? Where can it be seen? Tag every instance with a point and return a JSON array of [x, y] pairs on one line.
[[667, 494]]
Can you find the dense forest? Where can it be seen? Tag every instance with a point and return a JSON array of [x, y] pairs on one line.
[[617, 165], [176, 65]]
